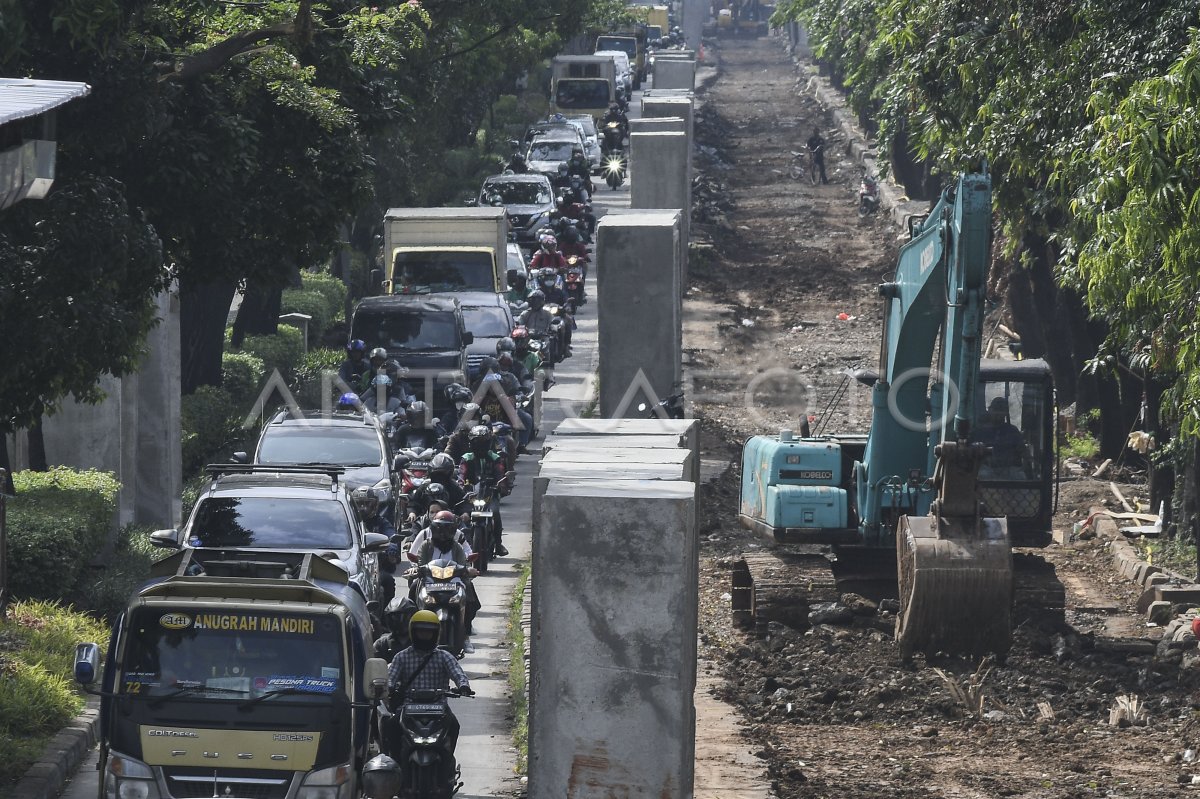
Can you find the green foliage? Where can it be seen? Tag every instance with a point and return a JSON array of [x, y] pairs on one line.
[[81, 260], [108, 592], [58, 522], [36, 695], [210, 426], [307, 385], [517, 683], [242, 376], [331, 288], [281, 351], [1081, 445], [1175, 553], [313, 303]]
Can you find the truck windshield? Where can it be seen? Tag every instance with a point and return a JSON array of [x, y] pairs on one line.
[[426, 272], [406, 330], [653, 33], [513, 192], [311, 443], [582, 93], [271, 522], [487, 322], [232, 655], [626, 44], [549, 151]]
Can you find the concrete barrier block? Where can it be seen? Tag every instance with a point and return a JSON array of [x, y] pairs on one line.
[[688, 430], [641, 338], [674, 73], [600, 670], [658, 125]]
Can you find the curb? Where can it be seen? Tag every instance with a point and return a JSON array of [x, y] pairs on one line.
[[61, 757], [1162, 587]]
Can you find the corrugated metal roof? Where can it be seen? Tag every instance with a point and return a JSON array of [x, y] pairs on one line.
[[26, 97]]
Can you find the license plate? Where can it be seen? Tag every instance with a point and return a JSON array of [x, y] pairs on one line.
[[418, 465], [481, 514], [423, 709], [441, 587]]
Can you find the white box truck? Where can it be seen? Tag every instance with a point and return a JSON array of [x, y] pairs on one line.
[[582, 84], [434, 250]]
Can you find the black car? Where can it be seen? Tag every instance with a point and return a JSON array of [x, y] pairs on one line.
[[489, 319], [528, 199], [425, 333], [273, 507]]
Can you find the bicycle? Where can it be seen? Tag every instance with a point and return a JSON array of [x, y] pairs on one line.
[[804, 163]]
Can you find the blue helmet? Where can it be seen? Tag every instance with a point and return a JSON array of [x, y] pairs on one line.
[[356, 345], [349, 400]]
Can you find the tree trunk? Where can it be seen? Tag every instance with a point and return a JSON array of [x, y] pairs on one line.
[[1112, 420], [1161, 473], [258, 315], [37, 448], [6, 464], [203, 311]]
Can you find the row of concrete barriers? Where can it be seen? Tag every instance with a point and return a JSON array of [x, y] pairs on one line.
[[613, 622]]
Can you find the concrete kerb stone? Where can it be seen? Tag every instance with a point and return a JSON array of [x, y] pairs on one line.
[[61, 757]]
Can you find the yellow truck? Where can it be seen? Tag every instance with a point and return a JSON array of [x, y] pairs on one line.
[[657, 23]]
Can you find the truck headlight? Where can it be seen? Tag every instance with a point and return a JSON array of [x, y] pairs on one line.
[[128, 778], [327, 783]]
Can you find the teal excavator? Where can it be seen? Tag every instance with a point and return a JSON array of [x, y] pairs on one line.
[[956, 468]]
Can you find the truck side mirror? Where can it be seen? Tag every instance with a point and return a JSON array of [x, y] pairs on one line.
[[168, 539], [87, 663], [375, 678], [239, 457], [468, 338], [376, 280]]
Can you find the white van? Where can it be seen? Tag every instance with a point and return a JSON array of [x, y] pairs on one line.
[[624, 74]]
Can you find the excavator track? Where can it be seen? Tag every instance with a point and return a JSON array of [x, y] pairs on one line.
[[783, 585]]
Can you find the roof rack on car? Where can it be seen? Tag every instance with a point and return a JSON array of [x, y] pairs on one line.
[[299, 574], [217, 470]]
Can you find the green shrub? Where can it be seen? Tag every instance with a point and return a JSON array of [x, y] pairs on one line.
[[192, 488], [36, 695], [282, 351], [332, 288], [210, 425], [242, 376], [59, 520], [107, 594], [307, 385], [313, 303]]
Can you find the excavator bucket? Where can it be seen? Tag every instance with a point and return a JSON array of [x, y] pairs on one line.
[[956, 586]]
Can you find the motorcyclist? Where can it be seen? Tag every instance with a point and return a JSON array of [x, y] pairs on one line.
[[422, 666], [482, 461], [458, 396], [517, 290], [458, 442], [614, 114], [539, 321], [419, 430], [511, 380], [547, 256], [517, 164], [424, 502], [356, 364], [378, 396], [816, 146], [442, 470], [518, 368], [550, 283], [562, 181], [578, 164], [367, 503], [400, 388], [522, 352], [396, 616]]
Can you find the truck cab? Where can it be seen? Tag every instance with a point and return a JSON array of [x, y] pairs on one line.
[[583, 84], [233, 673], [444, 249]]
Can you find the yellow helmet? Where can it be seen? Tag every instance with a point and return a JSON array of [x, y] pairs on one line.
[[424, 629]]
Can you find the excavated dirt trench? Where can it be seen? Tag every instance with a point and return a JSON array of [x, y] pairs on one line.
[[833, 709]]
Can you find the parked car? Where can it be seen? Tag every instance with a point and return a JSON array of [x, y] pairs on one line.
[[528, 198], [425, 333], [296, 507]]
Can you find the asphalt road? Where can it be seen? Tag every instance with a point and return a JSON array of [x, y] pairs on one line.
[[485, 750]]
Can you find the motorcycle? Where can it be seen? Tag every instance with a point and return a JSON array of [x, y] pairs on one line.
[[483, 524], [573, 282], [868, 195], [416, 771], [562, 316], [672, 407], [441, 590]]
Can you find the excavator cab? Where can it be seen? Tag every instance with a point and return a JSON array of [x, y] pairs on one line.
[[1016, 480]]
